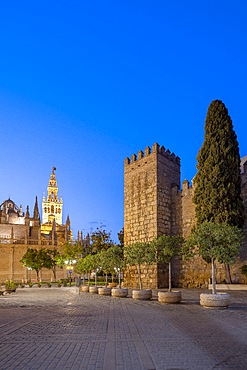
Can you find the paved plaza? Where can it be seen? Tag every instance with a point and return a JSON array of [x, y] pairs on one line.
[[56, 328]]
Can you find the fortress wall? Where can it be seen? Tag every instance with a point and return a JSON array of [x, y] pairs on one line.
[[12, 268], [244, 196], [149, 180], [155, 205]]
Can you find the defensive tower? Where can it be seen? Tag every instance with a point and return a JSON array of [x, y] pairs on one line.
[[149, 182]]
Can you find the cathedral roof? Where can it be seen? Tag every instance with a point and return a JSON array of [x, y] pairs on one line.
[[10, 205]]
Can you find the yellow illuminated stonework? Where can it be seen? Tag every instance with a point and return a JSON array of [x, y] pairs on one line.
[[52, 206]]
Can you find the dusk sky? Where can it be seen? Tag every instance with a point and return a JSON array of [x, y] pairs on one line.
[[85, 84]]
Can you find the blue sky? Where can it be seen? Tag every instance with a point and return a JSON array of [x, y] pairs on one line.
[[84, 84]]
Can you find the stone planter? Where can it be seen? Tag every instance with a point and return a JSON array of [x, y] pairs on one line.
[[219, 300], [104, 291], [93, 289], [84, 288], [169, 297], [112, 285], [119, 292], [142, 295]]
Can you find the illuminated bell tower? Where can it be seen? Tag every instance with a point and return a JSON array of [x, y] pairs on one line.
[[52, 207]]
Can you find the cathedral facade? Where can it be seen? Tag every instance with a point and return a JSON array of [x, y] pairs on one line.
[[20, 230]]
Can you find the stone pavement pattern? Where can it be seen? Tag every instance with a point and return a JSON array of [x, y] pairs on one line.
[[57, 329]]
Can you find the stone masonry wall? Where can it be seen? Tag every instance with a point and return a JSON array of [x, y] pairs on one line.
[[12, 268], [155, 205], [148, 181]]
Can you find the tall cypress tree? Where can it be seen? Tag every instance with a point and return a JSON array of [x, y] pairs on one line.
[[217, 183]]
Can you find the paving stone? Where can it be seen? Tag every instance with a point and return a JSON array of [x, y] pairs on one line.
[[57, 329]]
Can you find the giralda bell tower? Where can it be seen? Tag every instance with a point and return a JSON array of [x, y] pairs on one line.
[[52, 207]]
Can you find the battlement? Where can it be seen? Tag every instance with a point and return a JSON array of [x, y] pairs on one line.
[[156, 148]]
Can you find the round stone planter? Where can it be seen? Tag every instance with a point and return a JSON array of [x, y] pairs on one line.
[[219, 300], [104, 291], [93, 289], [119, 292], [142, 295], [84, 288], [169, 297], [112, 285]]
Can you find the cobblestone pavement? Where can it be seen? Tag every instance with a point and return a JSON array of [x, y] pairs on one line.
[[53, 328]]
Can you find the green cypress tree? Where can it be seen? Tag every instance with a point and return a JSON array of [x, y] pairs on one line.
[[217, 183]]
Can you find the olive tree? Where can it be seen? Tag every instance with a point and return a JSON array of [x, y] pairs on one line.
[[138, 254], [167, 247], [214, 242]]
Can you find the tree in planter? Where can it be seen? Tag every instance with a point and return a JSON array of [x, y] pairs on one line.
[[85, 266], [91, 262], [137, 254], [110, 260], [214, 242], [168, 246], [36, 260], [217, 183]]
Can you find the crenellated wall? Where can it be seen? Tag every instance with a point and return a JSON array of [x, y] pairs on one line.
[[154, 204]]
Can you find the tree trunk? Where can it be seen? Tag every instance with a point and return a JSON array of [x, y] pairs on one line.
[[228, 273], [139, 275], [119, 278], [170, 276], [213, 278], [54, 273], [106, 279]]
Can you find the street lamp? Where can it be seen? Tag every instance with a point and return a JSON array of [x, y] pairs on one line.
[[70, 267], [118, 270]]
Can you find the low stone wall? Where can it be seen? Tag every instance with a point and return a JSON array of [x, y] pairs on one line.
[[229, 286]]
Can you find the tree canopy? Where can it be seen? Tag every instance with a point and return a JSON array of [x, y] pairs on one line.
[[214, 242], [217, 183], [139, 253], [168, 246], [100, 239], [36, 259]]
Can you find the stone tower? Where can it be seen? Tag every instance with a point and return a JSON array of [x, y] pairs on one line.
[[52, 207], [150, 180]]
